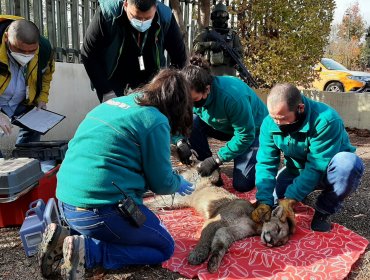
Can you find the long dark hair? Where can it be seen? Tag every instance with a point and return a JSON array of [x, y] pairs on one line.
[[170, 93], [198, 73]]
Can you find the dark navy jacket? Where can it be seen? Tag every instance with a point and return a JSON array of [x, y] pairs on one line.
[[110, 51]]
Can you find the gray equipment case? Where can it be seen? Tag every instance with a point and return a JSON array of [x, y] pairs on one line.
[[17, 174]]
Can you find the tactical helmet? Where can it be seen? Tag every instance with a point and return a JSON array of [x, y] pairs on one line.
[[219, 11]]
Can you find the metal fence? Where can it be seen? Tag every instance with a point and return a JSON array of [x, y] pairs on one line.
[[64, 22]]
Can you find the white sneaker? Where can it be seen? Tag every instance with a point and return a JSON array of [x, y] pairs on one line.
[[74, 258], [50, 249]]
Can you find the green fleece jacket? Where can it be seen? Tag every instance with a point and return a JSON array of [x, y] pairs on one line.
[[234, 108], [307, 152], [122, 142]]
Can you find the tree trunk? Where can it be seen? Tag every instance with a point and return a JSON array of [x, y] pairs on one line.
[[204, 13], [177, 11]]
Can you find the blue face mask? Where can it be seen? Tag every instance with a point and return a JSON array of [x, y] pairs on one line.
[[141, 26]]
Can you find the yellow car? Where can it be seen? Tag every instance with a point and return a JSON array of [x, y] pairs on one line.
[[333, 76]]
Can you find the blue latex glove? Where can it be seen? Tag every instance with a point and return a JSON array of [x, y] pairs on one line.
[[186, 187]]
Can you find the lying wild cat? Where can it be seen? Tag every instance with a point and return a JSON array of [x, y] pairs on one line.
[[227, 219]]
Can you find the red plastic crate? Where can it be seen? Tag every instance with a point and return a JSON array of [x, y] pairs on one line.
[[47, 186], [13, 213]]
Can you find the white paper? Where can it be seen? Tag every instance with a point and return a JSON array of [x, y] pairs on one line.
[[40, 120]]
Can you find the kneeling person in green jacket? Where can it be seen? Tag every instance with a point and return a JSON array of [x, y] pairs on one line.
[[317, 153], [125, 140], [227, 109]]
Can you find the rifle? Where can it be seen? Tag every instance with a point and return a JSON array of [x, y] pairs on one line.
[[243, 72]]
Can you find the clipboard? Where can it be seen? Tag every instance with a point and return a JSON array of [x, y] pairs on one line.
[[40, 120]]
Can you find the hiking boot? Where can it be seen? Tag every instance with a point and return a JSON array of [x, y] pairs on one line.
[[320, 223], [74, 258], [50, 249]]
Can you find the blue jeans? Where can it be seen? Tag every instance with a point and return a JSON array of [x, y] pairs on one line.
[[244, 165], [112, 242], [342, 177]]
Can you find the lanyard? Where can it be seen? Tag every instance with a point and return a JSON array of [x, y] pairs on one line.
[[138, 41], [141, 58]]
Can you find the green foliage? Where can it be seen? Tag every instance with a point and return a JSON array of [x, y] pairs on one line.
[[283, 38]]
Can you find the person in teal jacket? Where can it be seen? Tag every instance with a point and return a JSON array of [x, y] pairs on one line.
[[225, 108], [317, 154], [125, 141]]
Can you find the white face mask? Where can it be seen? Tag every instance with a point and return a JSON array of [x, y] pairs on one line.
[[21, 58], [141, 26]]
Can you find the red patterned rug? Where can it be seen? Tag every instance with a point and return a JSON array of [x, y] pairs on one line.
[[307, 255]]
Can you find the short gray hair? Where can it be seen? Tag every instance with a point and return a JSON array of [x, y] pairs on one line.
[[24, 31], [286, 93]]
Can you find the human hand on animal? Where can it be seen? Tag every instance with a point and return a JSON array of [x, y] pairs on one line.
[[5, 124], [207, 166], [184, 152], [186, 187], [287, 204], [262, 213]]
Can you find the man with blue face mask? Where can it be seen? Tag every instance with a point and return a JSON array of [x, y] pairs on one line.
[[26, 69], [125, 43]]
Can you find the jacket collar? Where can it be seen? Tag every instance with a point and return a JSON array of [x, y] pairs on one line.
[[4, 51]]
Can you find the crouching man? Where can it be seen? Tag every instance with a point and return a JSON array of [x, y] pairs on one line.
[[317, 155]]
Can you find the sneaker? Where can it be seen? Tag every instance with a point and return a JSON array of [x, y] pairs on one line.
[[51, 248], [74, 258], [320, 223]]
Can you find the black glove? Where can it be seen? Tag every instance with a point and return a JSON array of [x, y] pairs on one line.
[[207, 166], [184, 152]]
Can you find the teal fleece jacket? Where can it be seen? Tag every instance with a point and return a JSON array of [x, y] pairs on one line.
[[234, 108], [307, 152], [122, 142]]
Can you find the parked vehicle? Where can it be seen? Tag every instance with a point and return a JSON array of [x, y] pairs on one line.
[[333, 76]]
